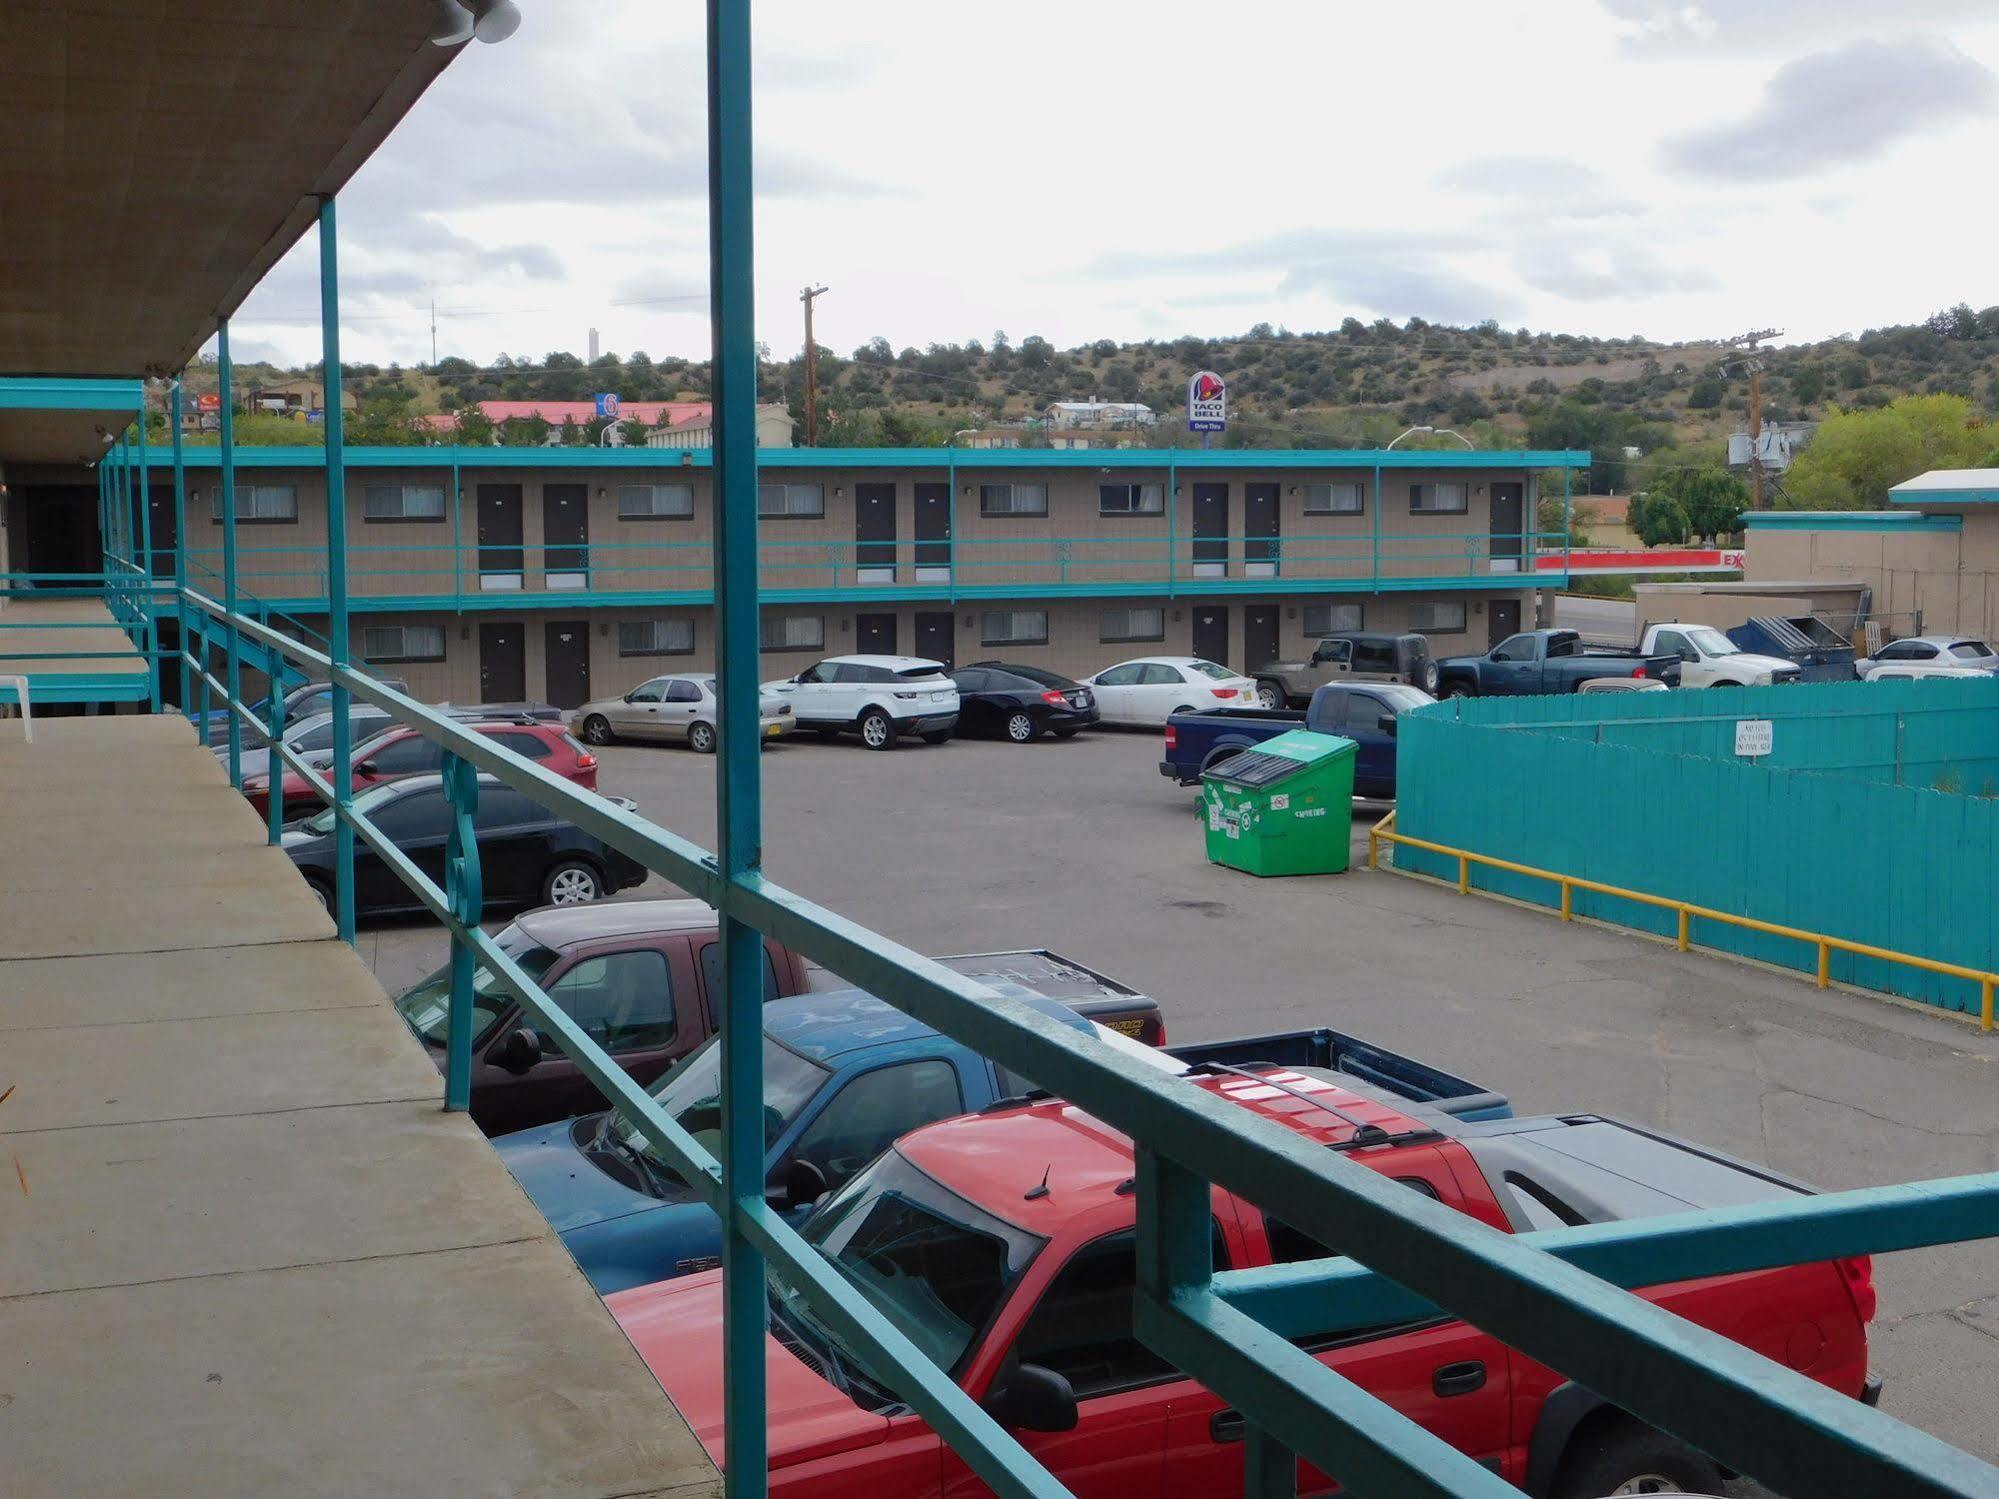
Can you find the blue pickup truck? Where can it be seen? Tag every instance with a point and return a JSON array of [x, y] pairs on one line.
[[1364, 712], [845, 1075]]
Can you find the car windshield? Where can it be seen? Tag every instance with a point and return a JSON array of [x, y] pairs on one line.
[[427, 1007], [367, 803], [691, 1096], [1711, 642], [1401, 698], [932, 1263], [1209, 669]]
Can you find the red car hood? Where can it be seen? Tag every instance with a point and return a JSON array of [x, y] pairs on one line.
[[676, 1325]]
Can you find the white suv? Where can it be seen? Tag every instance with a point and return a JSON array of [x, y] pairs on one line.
[[880, 697]]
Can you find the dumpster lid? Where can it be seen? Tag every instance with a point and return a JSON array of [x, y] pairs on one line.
[[1280, 758]]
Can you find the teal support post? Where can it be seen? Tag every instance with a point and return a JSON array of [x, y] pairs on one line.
[[1269, 1468], [1568, 517], [739, 792], [457, 536], [1172, 511], [951, 520], [1374, 506], [274, 722], [463, 887], [225, 385], [154, 666], [336, 571], [180, 559]]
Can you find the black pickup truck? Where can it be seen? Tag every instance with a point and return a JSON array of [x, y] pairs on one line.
[[1364, 712], [1545, 661]]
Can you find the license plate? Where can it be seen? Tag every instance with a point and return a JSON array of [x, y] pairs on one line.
[[773, 728], [940, 697]]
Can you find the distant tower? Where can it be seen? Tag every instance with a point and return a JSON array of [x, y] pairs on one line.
[[593, 345]]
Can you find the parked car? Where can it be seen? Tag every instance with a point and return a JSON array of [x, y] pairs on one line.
[[1932, 650], [527, 855], [1621, 684], [310, 738], [1923, 671], [546, 712], [643, 978], [1349, 656], [1709, 658], [400, 751], [1537, 661], [302, 701], [1003, 1245], [880, 698], [1000, 699], [1363, 712], [680, 706], [1152, 689]]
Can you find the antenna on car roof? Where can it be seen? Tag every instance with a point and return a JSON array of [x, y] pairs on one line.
[[1035, 1194]]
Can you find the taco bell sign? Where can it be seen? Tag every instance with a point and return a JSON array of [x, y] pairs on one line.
[[1207, 403]]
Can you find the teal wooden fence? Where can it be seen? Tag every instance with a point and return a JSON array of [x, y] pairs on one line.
[[1875, 816]]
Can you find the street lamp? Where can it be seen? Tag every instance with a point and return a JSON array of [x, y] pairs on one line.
[[1433, 431]]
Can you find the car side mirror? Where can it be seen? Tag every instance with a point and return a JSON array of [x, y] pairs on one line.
[[1688, 653], [520, 1052], [367, 768], [1386, 723], [802, 1184], [1318, 656], [1029, 1397]]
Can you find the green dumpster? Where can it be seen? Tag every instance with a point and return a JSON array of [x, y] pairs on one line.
[[1285, 807]]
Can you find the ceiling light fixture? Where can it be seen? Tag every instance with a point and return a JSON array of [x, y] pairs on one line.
[[455, 22], [495, 20], [450, 23]]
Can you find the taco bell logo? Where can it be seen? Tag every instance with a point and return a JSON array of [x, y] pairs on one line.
[[1207, 402]]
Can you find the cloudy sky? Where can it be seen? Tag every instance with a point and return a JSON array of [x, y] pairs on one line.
[[1678, 169]]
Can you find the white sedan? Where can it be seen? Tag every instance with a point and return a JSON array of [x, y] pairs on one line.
[[1944, 655], [1152, 689]]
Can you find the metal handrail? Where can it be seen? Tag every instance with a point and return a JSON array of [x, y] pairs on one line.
[[1384, 831]]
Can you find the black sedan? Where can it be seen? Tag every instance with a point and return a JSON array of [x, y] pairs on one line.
[[1021, 703], [527, 855]]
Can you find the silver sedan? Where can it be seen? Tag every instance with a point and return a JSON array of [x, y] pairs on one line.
[[677, 707]]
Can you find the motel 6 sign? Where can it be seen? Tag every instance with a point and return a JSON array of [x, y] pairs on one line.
[[1207, 402], [607, 403]]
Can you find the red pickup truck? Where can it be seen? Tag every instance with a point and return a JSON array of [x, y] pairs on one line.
[[1002, 1244]]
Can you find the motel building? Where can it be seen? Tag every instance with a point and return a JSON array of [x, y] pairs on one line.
[[483, 574]]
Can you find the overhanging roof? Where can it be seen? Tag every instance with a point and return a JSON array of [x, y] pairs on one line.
[[1949, 486], [63, 421], [161, 155]]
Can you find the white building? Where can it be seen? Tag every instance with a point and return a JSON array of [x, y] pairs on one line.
[[1069, 414]]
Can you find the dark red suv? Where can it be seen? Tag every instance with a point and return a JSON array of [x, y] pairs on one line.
[[401, 751]]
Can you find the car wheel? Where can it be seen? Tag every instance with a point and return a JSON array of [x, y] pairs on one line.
[[937, 736], [1623, 1457], [1428, 676], [701, 738], [323, 891], [597, 729], [1725, 682], [1270, 695], [571, 883], [1185, 708], [1459, 689], [1021, 728], [877, 730]]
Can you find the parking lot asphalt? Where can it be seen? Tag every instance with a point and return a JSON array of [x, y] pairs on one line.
[[1082, 847]]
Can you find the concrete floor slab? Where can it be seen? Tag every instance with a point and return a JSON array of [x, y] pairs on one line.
[[233, 1064], [309, 1186], [245, 907], [178, 858], [483, 1371], [128, 988]]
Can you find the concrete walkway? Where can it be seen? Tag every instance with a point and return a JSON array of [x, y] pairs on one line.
[[35, 634], [242, 1250]]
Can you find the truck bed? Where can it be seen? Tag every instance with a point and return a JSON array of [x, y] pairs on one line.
[[1405, 1078]]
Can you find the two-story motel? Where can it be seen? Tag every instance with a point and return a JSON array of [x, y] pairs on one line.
[[565, 573]]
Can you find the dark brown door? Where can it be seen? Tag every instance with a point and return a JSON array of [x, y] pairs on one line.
[[163, 530], [874, 634], [499, 533], [566, 647], [1509, 510], [1259, 635], [565, 534], [933, 533], [1211, 632], [503, 663], [874, 533], [935, 637], [1502, 617], [1259, 531], [1211, 530]]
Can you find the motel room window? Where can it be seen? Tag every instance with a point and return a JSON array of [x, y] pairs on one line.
[[1015, 627], [383, 644], [655, 637], [1330, 619], [1436, 499], [1445, 617], [1335, 499], [1120, 626], [1013, 499], [794, 632], [791, 501], [401, 502], [660, 501], [1131, 499], [260, 504]]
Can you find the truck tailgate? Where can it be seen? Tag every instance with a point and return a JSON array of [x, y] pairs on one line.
[[1334, 1051], [1084, 990]]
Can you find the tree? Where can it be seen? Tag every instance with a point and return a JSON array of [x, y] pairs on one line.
[[1657, 520], [1856, 457], [1711, 500], [1707, 391], [474, 428], [384, 418], [1035, 352]]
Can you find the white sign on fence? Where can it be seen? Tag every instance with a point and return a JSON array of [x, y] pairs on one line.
[[1752, 737]]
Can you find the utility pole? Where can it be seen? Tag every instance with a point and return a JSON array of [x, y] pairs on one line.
[[1753, 363], [433, 331], [811, 368]]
